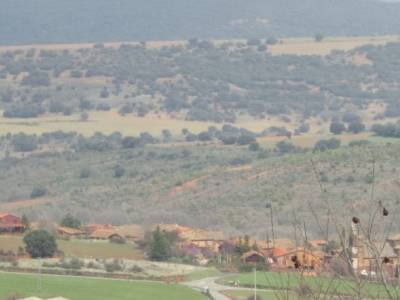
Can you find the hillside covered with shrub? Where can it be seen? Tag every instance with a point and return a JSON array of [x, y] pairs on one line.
[[58, 21]]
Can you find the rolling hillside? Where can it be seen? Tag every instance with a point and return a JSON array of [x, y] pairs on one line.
[[58, 21]]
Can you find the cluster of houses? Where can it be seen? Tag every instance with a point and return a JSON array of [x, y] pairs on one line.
[[205, 245], [133, 233]]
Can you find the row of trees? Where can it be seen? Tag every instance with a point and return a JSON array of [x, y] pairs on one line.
[[353, 127]]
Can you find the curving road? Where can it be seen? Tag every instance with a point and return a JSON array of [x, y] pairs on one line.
[[214, 288]]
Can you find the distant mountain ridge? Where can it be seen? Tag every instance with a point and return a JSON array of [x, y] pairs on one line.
[[60, 21]]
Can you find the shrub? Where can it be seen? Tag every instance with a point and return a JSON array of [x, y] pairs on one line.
[[324, 145], [246, 139], [356, 127], [254, 147], [26, 110], [337, 128], [116, 265], [119, 171], [38, 191], [84, 173], [136, 269], [24, 142], [36, 78], [318, 37], [130, 142], [285, 147], [204, 136], [271, 41], [40, 243], [103, 107], [117, 240], [359, 143], [84, 116]]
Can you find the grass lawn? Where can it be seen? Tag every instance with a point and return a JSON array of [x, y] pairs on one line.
[[269, 280], [76, 288], [81, 248], [244, 295], [209, 272]]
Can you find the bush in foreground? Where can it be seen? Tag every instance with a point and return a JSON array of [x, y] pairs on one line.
[[40, 244]]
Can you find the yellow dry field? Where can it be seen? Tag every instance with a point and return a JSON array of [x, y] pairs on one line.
[[300, 46], [25, 203], [307, 46], [81, 248], [108, 122]]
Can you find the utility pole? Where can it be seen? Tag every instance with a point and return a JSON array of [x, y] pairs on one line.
[[271, 214], [40, 276], [255, 283]]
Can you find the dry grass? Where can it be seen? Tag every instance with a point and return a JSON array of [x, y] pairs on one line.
[[15, 205], [108, 122], [81, 248], [301, 46], [307, 46]]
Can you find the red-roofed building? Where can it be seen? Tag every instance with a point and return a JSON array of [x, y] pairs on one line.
[[89, 229], [10, 223], [69, 232]]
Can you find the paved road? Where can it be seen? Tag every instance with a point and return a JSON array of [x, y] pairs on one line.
[[214, 288], [217, 289]]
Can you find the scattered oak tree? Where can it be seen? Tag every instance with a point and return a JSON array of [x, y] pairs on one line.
[[40, 244]]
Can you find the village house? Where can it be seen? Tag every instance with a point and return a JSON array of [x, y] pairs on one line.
[[306, 259], [205, 239], [10, 223], [89, 229], [106, 234], [369, 257], [253, 257], [372, 261], [200, 238], [67, 232], [132, 232], [394, 242], [272, 254]]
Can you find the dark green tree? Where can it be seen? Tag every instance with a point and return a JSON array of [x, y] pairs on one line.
[[337, 128], [159, 248], [70, 221], [318, 37], [356, 127], [25, 222], [40, 244]]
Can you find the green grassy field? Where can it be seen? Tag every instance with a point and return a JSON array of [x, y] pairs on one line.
[[209, 272], [244, 295], [75, 288], [280, 281], [81, 248]]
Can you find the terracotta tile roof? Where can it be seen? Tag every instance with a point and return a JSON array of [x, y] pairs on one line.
[[188, 233], [103, 234], [274, 252], [251, 253], [70, 231], [2, 215], [317, 254], [11, 225], [93, 227], [130, 231]]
